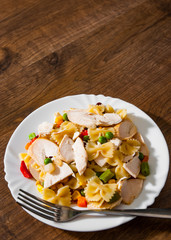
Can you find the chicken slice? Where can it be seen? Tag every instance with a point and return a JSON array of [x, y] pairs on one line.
[[127, 158], [107, 119], [125, 129], [58, 175], [133, 166], [130, 189], [100, 160], [42, 148], [33, 171], [80, 156], [89, 120], [80, 117], [66, 150], [116, 142], [76, 134], [45, 128], [144, 149]]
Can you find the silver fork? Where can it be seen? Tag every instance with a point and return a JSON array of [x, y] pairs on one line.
[[59, 213]]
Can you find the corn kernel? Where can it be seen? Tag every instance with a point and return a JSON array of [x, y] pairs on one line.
[[27, 159], [42, 175], [76, 194], [40, 188], [22, 156]]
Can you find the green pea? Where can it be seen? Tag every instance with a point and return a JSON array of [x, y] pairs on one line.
[[65, 117], [47, 160], [115, 197], [145, 170], [82, 192], [102, 140], [32, 135], [109, 135], [86, 138], [141, 156]]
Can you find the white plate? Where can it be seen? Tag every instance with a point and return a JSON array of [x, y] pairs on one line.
[[158, 161]]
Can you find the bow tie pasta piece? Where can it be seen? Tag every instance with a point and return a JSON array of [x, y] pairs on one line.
[[120, 172], [122, 113], [130, 146], [105, 149], [49, 195], [96, 190], [95, 205], [92, 191], [97, 132], [96, 167], [107, 191], [65, 128], [96, 109], [73, 183], [92, 151], [109, 109], [117, 156], [63, 196], [107, 205], [83, 179]]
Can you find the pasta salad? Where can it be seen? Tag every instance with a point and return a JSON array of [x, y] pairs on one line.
[[93, 157]]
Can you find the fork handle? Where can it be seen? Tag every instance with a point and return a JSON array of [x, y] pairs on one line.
[[149, 212]]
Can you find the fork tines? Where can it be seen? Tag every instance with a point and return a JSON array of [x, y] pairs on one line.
[[45, 209]]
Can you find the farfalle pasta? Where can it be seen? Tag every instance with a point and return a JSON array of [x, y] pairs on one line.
[[87, 156]]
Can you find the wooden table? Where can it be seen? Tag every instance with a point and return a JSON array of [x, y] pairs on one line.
[[50, 49]]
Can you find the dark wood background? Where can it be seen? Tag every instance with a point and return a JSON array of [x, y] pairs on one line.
[[54, 48]]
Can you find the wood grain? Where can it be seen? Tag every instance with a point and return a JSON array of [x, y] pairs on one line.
[[51, 49]]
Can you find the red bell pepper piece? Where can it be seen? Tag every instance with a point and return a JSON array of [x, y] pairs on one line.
[[81, 202], [24, 170], [83, 133]]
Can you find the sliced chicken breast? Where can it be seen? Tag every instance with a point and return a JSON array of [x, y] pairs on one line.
[[130, 189], [100, 160], [116, 142], [33, 171], [76, 134], [80, 156], [133, 166], [45, 128], [81, 117], [58, 175], [86, 119], [125, 129], [42, 148], [144, 149], [66, 149], [107, 119], [127, 158]]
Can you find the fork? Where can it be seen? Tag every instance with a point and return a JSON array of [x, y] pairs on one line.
[[59, 213]]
